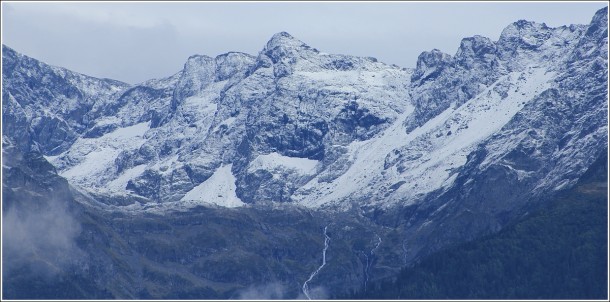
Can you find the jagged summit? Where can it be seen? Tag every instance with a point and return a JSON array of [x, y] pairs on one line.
[[476, 50], [429, 63], [289, 111], [524, 34], [601, 17], [284, 39], [220, 56], [525, 23], [473, 50], [475, 45], [599, 23], [282, 46]]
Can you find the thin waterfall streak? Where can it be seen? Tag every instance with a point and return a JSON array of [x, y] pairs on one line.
[[404, 250], [369, 260], [306, 285]]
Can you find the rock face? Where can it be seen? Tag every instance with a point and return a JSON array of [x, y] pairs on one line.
[[545, 147], [162, 138], [455, 148], [366, 132], [55, 101]]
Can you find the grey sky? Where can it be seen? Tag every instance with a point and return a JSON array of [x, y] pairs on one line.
[[133, 42]]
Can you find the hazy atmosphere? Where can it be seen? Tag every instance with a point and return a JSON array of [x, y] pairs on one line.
[[133, 42]]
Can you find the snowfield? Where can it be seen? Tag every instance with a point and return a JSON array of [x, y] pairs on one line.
[[219, 189]]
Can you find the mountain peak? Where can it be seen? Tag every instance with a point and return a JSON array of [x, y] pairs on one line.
[[281, 46], [522, 28], [429, 63], [600, 20], [284, 39], [525, 35], [282, 34], [475, 48]]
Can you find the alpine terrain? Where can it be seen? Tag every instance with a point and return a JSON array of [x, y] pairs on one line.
[[292, 173]]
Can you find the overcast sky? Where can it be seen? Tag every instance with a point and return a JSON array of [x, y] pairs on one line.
[[136, 41]]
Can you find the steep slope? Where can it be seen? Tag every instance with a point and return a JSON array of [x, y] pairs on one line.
[[544, 148], [48, 105], [473, 99], [41, 257], [559, 252]]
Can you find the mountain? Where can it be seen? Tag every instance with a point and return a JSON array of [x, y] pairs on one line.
[[558, 252], [394, 163]]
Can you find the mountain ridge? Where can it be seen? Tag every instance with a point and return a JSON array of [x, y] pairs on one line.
[[456, 148], [478, 63], [418, 159]]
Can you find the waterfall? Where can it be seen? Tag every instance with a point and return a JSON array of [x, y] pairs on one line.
[[369, 260], [305, 285]]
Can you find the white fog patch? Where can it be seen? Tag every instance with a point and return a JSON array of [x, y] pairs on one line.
[[271, 291], [43, 241], [278, 291]]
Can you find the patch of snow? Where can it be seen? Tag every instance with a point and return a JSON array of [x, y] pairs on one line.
[[327, 76], [273, 161], [167, 165], [228, 122], [108, 120], [93, 163], [119, 183], [200, 104], [90, 161], [219, 189], [127, 133]]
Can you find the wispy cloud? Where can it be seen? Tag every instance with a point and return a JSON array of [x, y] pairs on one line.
[[280, 291], [271, 291], [44, 241]]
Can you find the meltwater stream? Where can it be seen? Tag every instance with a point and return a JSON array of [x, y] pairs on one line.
[[305, 285], [369, 260]]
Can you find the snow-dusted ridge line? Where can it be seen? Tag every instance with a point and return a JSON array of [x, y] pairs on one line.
[[442, 143], [304, 127]]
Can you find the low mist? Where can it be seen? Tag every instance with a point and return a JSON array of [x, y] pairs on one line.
[[41, 240], [279, 291]]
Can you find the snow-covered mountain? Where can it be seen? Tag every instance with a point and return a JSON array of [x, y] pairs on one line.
[[294, 124], [275, 121], [297, 125], [459, 146]]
